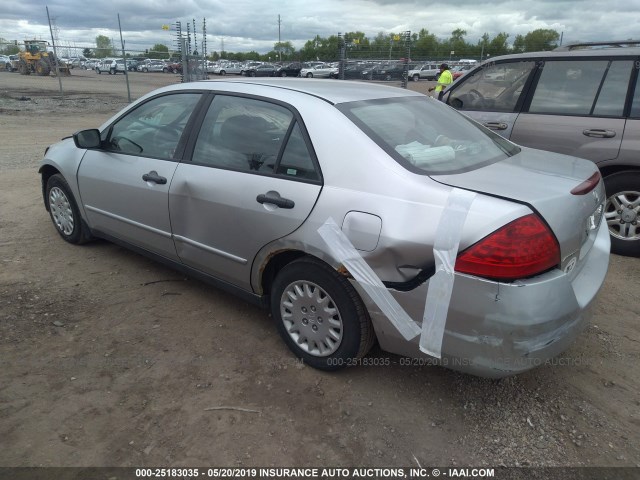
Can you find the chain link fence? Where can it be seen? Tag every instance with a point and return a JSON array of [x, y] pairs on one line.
[[129, 74], [388, 62]]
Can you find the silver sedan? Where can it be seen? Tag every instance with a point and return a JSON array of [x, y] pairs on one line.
[[356, 212]]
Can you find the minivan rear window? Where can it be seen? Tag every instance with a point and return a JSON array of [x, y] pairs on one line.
[[427, 137]]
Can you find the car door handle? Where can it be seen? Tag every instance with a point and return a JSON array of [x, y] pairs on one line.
[[599, 133], [496, 125], [153, 176], [274, 198]]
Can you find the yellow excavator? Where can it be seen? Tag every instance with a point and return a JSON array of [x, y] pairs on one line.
[[37, 59]]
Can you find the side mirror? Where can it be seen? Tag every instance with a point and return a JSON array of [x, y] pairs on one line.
[[87, 138]]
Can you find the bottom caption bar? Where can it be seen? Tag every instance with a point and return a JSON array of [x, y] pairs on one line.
[[320, 473]]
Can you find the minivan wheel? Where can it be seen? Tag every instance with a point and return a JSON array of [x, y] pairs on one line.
[[64, 211], [622, 212], [320, 316]]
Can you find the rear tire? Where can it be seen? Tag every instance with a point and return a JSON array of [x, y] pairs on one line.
[[64, 211], [320, 316], [622, 212]]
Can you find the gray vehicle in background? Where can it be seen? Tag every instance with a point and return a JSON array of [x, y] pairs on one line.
[[427, 71], [340, 206], [581, 100], [111, 65]]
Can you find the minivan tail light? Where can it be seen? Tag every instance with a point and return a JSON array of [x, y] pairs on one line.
[[522, 248]]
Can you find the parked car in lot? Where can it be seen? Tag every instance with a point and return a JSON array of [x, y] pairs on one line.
[[174, 67], [387, 72], [319, 71], [427, 71], [343, 186], [111, 65], [229, 68], [289, 70], [264, 70], [354, 71], [153, 66], [246, 66], [77, 62], [5, 62], [132, 65], [14, 59], [583, 102]]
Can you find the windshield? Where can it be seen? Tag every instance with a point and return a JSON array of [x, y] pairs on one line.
[[427, 137]]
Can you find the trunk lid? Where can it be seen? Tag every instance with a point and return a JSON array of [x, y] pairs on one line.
[[543, 181]]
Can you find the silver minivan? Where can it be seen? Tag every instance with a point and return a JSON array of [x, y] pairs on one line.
[[581, 100]]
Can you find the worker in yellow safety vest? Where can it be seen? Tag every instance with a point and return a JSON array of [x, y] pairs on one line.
[[444, 80]]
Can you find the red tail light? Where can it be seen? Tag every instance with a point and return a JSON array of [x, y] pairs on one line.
[[520, 249], [588, 185]]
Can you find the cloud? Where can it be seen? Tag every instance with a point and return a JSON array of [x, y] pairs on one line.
[[253, 24]]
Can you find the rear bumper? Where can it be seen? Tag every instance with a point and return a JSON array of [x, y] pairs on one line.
[[499, 329]]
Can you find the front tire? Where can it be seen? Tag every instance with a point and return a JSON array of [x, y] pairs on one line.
[[622, 212], [64, 211], [416, 78], [309, 75], [319, 315]]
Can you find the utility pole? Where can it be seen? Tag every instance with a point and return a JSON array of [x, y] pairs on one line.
[[279, 46]]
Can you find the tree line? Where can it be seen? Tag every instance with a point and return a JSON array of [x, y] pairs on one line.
[[420, 45]]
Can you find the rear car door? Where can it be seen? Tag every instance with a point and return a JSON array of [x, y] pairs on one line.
[[252, 178], [576, 108], [124, 186], [493, 93]]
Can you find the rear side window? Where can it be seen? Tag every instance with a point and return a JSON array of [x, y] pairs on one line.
[[493, 88], [582, 87], [242, 134], [252, 135]]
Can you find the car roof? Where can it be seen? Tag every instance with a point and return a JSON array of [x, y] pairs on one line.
[[587, 52], [332, 91]]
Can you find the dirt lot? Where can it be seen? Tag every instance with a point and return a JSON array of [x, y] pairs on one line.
[[109, 359]]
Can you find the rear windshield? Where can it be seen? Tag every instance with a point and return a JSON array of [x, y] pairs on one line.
[[426, 136]]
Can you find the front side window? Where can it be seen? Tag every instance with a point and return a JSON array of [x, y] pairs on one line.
[[426, 137], [154, 128], [494, 87], [252, 135], [582, 87]]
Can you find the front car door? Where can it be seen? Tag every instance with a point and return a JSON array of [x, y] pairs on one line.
[[124, 186], [493, 93], [252, 178]]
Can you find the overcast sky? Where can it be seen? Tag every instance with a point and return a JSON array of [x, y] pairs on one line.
[[253, 24]]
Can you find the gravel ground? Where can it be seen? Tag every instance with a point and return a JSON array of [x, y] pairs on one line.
[[109, 359]]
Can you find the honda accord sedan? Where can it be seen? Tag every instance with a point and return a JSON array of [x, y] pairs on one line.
[[357, 213]]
